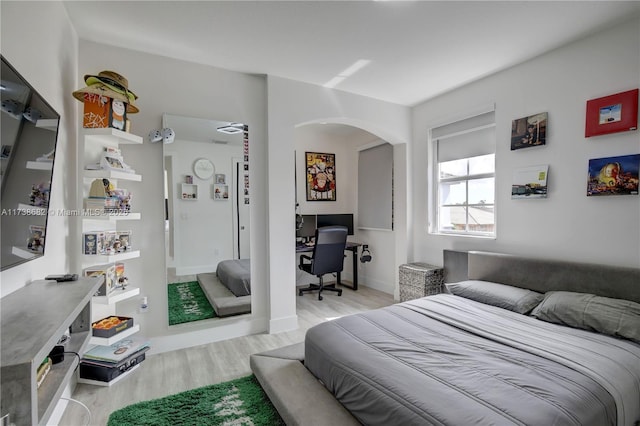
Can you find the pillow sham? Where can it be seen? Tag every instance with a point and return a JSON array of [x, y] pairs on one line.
[[613, 317], [501, 295]]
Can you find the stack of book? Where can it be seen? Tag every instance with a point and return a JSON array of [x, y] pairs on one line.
[[105, 363]]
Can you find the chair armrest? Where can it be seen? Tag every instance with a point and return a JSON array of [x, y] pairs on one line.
[[303, 257]]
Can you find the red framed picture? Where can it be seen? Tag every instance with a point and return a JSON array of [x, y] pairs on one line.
[[612, 114]]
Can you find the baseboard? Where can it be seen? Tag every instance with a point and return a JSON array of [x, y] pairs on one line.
[[280, 325]]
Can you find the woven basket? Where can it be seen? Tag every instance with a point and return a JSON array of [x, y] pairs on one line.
[[420, 280]]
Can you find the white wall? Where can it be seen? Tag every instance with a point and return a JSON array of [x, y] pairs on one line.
[[567, 225], [291, 104], [176, 87], [39, 42]]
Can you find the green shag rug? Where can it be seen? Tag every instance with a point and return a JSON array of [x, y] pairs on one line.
[[187, 303], [237, 402]]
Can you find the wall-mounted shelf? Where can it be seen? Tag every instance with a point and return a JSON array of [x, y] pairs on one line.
[[116, 296], [111, 174], [111, 137], [95, 259], [188, 191], [40, 165], [104, 341], [48, 123], [113, 217], [24, 253]]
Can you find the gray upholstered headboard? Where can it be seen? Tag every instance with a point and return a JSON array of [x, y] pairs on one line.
[[543, 274]]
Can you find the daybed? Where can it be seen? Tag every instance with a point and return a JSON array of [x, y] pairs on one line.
[[514, 344], [229, 289]]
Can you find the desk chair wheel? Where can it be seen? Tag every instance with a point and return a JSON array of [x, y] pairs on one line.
[[319, 297], [300, 293], [340, 293]]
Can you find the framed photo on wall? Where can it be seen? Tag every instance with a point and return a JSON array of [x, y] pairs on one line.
[[614, 175], [321, 176], [529, 131], [612, 114]]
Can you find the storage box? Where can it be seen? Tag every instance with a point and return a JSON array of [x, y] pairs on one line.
[[420, 280], [110, 277], [123, 324], [105, 372], [101, 111]]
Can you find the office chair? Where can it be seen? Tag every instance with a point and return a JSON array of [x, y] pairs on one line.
[[328, 257]]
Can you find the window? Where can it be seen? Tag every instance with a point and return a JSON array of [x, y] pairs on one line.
[[463, 181]]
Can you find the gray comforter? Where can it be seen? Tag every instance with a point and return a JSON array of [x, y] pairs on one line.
[[445, 360], [235, 274]]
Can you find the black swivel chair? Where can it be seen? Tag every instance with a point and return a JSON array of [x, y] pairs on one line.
[[328, 257]]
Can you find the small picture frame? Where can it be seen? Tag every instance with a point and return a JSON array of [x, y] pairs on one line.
[[6, 151], [527, 132], [530, 182], [221, 179], [220, 192], [614, 175], [612, 114]]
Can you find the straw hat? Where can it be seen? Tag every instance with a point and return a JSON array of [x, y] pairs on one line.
[[110, 84]]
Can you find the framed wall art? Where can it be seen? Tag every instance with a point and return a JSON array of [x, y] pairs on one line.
[[321, 176], [529, 131], [614, 175], [530, 182], [612, 114]]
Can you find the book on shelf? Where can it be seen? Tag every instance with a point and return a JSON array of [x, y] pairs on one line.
[[118, 351], [43, 370]]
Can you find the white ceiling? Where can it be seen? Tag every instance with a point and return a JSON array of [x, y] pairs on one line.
[[417, 49]]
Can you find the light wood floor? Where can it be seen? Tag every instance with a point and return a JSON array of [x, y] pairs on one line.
[[172, 372]]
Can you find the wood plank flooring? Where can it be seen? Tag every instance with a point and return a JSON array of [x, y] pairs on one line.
[[176, 371]]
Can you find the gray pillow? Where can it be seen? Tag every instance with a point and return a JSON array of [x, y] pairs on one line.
[[614, 317], [504, 296]]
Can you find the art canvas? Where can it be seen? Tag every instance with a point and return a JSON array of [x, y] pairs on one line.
[[527, 132], [530, 182], [614, 175], [612, 114], [321, 176]]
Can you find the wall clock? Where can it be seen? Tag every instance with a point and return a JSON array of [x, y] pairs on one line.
[[203, 168]]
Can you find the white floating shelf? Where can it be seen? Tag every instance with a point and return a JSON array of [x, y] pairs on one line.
[[24, 252], [111, 136], [48, 123], [104, 341], [112, 382], [117, 296], [113, 216], [96, 258], [40, 165], [111, 174]]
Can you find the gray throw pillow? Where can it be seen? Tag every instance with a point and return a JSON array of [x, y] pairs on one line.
[[614, 317], [504, 296]]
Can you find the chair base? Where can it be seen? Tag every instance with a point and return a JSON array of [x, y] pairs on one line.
[[320, 287]]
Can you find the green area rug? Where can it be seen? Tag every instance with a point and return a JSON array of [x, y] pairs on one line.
[[187, 303], [237, 402]]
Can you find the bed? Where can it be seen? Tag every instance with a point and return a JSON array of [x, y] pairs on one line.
[[229, 289], [235, 274], [518, 341]]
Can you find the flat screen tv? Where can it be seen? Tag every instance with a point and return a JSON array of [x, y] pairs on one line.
[[29, 134], [336, 219]]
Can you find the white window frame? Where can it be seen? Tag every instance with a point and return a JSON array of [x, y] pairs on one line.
[[433, 171]]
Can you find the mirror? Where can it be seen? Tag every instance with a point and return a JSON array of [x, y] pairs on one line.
[[29, 133], [207, 219]]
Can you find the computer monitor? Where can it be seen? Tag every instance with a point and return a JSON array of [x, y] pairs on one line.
[[335, 219], [308, 228]]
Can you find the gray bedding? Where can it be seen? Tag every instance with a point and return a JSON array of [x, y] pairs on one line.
[[235, 274], [446, 360]]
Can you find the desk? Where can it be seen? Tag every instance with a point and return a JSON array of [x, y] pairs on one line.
[[353, 248]]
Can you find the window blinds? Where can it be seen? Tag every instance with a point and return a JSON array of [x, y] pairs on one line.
[[375, 187], [466, 138]]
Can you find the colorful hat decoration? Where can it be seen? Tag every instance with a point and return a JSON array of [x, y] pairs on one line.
[[109, 84]]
